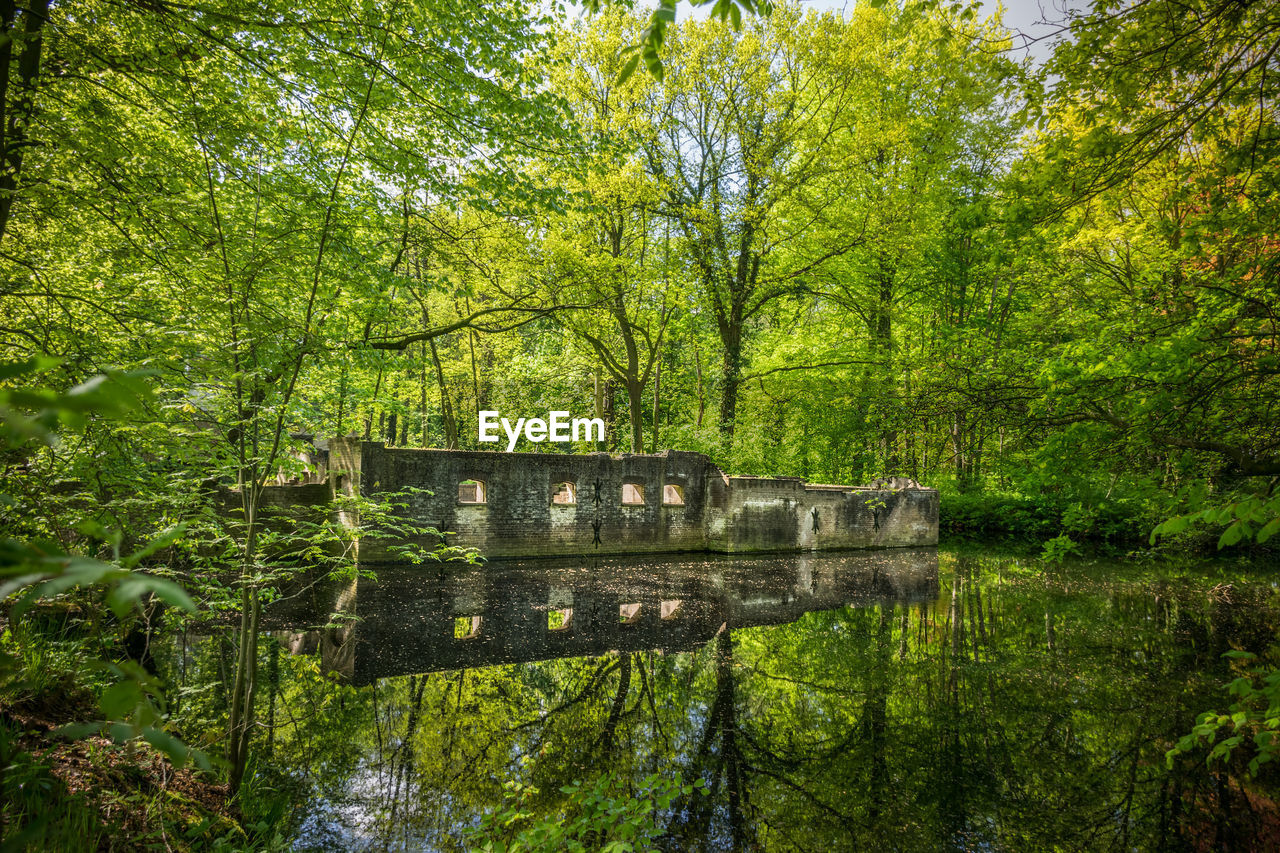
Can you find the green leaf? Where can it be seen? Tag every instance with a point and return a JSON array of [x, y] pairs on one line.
[[1232, 535], [38, 364], [120, 699], [164, 540], [176, 750], [77, 571], [628, 69], [129, 592], [76, 731]]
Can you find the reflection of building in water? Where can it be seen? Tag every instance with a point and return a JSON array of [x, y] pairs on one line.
[[412, 620]]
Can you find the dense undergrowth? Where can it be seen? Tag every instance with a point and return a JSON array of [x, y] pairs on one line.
[[67, 793], [1120, 526], [988, 515], [91, 793]]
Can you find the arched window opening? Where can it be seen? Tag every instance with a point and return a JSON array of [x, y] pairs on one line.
[[565, 494], [632, 494], [471, 492], [672, 495]]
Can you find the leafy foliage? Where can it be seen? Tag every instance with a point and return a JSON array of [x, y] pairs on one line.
[[1256, 518], [1251, 723], [133, 706], [601, 815]]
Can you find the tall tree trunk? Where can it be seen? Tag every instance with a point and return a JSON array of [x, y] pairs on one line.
[[402, 758], [598, 388], [959, 449], [368, 418], [450, 423], [273, 683], [702, 393], [240, 726], [635, 405], [342, 398], [619, 703], [18, 113], [875, 712], [610, 415], [883, 335], [475, 374], [730, 375], [657, 386], [422, 394]]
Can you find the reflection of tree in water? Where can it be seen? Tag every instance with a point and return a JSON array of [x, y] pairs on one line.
[[1008, 717], [1013, 712], [718, 762]]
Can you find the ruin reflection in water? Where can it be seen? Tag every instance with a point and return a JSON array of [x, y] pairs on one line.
[[964, 701], [427, 619]]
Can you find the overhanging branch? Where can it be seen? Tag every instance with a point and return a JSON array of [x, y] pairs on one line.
[[524, 316], [764, 373]]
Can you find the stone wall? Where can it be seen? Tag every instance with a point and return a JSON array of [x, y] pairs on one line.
[[518, 518]]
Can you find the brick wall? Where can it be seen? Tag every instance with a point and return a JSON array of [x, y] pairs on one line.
[[719, 513]]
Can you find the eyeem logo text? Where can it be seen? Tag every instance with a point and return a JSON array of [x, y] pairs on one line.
[[557, 427]]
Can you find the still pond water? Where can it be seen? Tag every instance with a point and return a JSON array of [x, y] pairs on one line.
[[904, 700]]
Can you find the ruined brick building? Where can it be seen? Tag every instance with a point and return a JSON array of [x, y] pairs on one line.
[[549, 504]]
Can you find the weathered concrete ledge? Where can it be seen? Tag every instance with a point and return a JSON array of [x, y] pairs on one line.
[[547, 504]]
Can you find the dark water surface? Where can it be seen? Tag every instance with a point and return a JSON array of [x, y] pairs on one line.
[[901, 700]]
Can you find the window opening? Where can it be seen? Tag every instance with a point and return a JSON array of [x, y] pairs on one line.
[[466, 627], [471, 492]]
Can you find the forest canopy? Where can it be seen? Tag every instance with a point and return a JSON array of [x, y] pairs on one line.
[[829, 246]]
